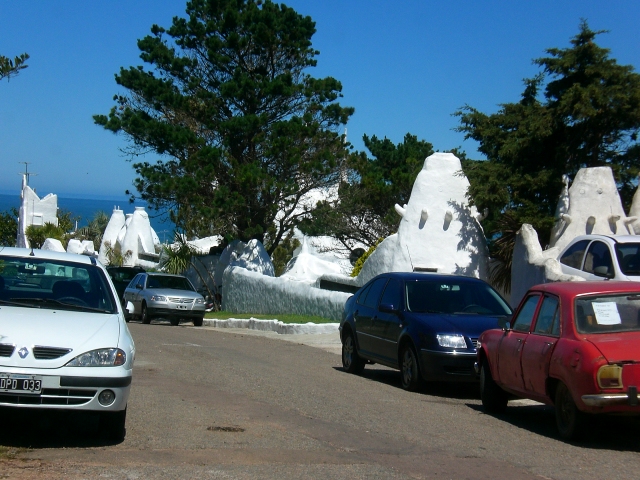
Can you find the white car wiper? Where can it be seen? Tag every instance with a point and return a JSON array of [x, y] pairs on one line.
[[17, 304], [38, 300]]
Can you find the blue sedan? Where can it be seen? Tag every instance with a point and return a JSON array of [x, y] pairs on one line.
[[425, 325]]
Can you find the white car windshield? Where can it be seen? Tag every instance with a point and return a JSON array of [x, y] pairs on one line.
[[54, 284]]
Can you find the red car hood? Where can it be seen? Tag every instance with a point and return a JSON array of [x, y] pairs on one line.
[[618, 347]]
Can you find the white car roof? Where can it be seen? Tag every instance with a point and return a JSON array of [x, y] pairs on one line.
[[46, 255], [607, 238]]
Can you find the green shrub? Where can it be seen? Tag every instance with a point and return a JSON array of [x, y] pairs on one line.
[[358, 266]]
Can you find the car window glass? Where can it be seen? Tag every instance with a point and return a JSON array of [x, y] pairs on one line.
[[598, 259], [548, 322], [455, 296], [628, 258], [608, 313], [522, 323], [55, 284], [392, 293], [573, 256], [374, 293], [134, 282], [363, 294]]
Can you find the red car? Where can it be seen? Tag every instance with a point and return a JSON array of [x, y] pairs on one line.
[[572, 345]]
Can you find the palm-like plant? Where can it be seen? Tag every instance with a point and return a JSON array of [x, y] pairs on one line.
[[115, 256]]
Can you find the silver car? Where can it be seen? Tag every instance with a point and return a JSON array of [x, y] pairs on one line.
[[160, 295]]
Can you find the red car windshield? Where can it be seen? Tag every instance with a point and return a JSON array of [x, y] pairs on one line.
[[608, 313]]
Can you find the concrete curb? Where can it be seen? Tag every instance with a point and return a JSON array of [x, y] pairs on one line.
[[273, 326]]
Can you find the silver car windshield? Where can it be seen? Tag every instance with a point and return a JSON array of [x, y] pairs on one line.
[[166, 281], [54, 284], [608, 313]]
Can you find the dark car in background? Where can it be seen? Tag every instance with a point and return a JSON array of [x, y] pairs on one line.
[[161, 295], [426, 325], [121, 276]]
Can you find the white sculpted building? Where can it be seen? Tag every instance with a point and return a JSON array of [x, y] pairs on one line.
[[34, 211]]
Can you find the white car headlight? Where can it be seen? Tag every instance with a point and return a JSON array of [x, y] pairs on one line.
[[158, 298], [200, 300], [451, 341], [104, 357]]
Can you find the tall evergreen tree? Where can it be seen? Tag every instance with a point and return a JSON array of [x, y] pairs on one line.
[[364, 210], [10, 68], [242, 130], [581, 110]]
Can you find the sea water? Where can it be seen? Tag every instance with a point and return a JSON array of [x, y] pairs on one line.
[[86, 209]]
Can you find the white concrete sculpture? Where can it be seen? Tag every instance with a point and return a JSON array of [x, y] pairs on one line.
[[53, 245], [307, 265], [34, 211], [84, 247], [591, 205], [634, 212], [134, 236], [251, 256], [439, 231]]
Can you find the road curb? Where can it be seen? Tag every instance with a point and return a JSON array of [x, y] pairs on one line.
[[272, 326]]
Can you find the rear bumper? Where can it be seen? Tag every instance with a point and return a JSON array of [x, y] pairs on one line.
[[611, 399], [448, 366]]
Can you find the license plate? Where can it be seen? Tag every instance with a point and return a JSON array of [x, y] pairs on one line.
[[14, 383]]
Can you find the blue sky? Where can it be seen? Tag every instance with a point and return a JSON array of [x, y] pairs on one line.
[[405, 66]]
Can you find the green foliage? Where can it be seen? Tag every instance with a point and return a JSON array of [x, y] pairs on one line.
[[8, 227], [587, 116], [364, 210], [114, 254], [95, 229], [283, 253], [37, 234], [10, 68], [242, 130], [283, 317], [66, 221], [360, 262]]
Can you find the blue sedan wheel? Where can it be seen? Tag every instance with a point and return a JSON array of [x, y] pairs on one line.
[[411, 378], [351, 361]]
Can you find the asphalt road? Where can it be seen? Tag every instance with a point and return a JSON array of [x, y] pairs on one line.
[[209, 403]]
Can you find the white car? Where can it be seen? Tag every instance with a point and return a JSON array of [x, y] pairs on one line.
[[64, 342], [597, 257]]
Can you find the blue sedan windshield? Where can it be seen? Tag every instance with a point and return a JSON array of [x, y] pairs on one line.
[[454, 297]]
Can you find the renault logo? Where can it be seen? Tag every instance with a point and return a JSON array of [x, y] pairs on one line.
[[23, 352]]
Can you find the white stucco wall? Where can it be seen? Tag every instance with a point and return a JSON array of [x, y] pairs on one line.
[[253, 292]]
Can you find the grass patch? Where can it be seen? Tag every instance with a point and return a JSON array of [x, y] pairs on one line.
[[9, 453], [284, 318]]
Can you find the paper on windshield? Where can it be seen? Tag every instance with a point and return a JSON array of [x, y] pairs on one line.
[[606, 313]]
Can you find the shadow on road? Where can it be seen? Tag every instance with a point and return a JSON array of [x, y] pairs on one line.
[[391, 377], [601, 432], [50, 429]]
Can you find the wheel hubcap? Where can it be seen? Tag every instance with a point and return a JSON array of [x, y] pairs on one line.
[[407, 367], [347, 352]]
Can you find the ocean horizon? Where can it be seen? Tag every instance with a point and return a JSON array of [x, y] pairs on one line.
[[86, 208]]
